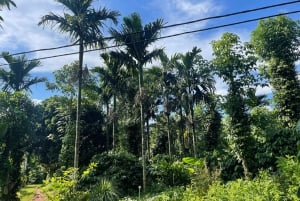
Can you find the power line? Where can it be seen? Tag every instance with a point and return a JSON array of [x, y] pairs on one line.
[[167, 36], [232, 14], [168, 26]]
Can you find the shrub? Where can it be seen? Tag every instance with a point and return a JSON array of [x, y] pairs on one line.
[[57, 187], [164, 171], [289, 176], [122, 168], [103, 191], [262, 188]]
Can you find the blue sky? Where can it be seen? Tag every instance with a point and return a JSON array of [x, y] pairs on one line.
[[21, 33]]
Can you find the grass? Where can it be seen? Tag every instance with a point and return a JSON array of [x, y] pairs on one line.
[[27, 193]]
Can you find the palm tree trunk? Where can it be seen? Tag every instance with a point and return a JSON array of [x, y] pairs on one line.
[[141, 85], [107, 127], [181, 138], [114, 122], [193, 136], [169, 135], [78, 112], [148, 137], [193, 128]]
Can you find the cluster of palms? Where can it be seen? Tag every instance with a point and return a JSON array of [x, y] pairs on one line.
[[84, 26], [170, 91]]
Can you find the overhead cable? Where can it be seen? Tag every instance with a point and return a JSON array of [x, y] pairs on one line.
[[168, 26], [167, 36]]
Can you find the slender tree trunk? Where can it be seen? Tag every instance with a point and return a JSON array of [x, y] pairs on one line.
[[141, 85], [114, 122], [183, 149], [169, 135], [193, 130], [107, 127], [148, 137], [167, 114], [78, 112]]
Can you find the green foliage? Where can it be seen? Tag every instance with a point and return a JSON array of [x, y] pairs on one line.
[[262, 188], [16, 112], [277, 38], [276, 41], [18, 77], [122, 168], [26, 193], [60, 186], [166, 172], [31, 170], [289, 177], [272, 140], [235, 64], [175, 194], [103, 191]]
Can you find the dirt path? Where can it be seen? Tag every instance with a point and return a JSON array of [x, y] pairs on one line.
[[39, 196]]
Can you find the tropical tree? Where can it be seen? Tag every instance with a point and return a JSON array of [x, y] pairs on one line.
[[235, 64], [196, 84], [17, 129], [137, 39], [111, 78], [276, 41], [153, 100], [66, 80], [18, 77], [55, 125], [84, 25], [168, 83]]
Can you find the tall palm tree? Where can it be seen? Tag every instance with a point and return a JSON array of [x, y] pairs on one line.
[[111, 78], [18, 77], [196, 83], [137, 39], [84, 25], [168, 82]]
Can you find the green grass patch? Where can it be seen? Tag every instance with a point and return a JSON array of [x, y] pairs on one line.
[[27, 193]]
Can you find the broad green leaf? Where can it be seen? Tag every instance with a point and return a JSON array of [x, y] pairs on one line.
[[193, 161]]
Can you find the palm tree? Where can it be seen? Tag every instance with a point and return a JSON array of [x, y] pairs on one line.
[[196, 83], [83, 24], [18, 77], [153, 100], [111, 78], [169, 81], [137, 38]]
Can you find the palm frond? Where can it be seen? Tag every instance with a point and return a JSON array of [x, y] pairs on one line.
[[31, 82], [7, 3]]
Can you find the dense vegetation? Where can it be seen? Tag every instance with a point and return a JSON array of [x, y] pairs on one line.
[[127, 130]]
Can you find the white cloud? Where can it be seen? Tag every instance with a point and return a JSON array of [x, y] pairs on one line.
[[37, 101], [263, 91], [193, 9], [175, 11], [21, 33]]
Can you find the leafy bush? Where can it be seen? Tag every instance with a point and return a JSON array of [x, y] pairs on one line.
[[164, 171], [58, 187], [289, 177], [171, 194], [262, 188], [123, 169], [103, 191], [64, 187]]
